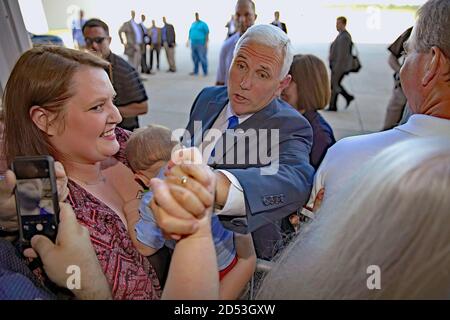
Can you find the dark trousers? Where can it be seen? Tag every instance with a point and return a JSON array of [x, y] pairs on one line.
[[144, 66], [268, 240], [336, 89], [156, 49]]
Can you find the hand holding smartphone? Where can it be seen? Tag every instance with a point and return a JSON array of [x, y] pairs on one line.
[[36, 197]]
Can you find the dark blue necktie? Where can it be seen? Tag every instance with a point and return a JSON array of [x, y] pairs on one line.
[[233, 122]]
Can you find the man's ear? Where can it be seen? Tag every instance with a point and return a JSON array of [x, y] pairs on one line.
[[41, 119], [283, 85], [433, 65]]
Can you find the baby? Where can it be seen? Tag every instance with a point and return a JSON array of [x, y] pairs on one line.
[[148, 151]]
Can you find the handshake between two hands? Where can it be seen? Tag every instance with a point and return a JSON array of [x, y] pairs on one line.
[[183, 202]]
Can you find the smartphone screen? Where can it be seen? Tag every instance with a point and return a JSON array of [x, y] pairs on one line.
[[36, 197]]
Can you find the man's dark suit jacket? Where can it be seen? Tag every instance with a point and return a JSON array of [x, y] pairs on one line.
[[341, 58], [283, 26], [268, 198], [170, 34]]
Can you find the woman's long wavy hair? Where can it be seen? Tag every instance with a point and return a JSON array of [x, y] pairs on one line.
[[41, 77]]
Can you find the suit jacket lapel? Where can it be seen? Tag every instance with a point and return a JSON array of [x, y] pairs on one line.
[[212, 111]]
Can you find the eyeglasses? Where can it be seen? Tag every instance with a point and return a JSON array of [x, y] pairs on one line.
[[97, 40]]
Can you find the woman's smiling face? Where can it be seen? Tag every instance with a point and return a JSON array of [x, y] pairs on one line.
[[86, 132]]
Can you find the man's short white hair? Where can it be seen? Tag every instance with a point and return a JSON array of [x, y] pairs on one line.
[[433, 26], [270, 36]]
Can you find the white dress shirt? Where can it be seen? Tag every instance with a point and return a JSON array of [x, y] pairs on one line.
[[348, 155], [235, 203]]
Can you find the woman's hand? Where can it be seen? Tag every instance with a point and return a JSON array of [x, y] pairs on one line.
[[73, 249], [8, 215], [183, 201]]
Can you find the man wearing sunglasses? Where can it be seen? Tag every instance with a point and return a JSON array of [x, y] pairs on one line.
[[131, 98]]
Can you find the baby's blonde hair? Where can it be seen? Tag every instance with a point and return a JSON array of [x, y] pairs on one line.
[[148, 146]]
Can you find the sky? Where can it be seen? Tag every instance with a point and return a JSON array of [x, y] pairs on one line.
[[307, 21]]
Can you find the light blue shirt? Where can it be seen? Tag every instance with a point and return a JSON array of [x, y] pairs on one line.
[[226, 57], [164, 34], [154, 35], [198, 32], [77, 33], [137, 32], [148, 232]]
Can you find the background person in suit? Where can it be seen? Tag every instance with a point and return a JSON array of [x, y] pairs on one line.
[[169, 43], [278, 23], [155, 47], [145, 44], [250, 201], [340, 63], [131, 36]]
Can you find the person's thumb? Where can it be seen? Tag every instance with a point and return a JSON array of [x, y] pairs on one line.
[[67, 220], [42, 245]]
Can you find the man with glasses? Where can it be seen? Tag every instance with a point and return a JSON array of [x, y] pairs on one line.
[[131, 98]]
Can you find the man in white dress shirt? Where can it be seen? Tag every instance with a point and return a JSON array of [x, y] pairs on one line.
[[426, 82]]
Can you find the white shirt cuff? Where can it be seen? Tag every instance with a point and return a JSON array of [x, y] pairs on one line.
[[235, 204]]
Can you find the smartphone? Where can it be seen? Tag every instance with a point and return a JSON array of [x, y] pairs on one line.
[[36, 194]]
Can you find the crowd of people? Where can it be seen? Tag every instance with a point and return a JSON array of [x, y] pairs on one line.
[[263, 164]]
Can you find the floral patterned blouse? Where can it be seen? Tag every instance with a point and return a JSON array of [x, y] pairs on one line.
[[129, 274]]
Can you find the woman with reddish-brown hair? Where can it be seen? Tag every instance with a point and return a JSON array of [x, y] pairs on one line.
[[59, 102], [308, 92]]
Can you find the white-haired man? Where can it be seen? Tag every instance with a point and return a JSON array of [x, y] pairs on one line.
[[251, 199], [425, 79]]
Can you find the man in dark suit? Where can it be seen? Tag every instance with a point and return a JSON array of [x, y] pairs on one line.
[[168, 40], [145, 44], [255, 192], [278, 23], [341, 60], [155, 47]]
